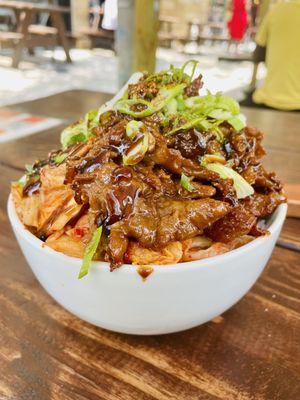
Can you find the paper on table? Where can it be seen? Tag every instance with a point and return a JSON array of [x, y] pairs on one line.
[[15, 125]]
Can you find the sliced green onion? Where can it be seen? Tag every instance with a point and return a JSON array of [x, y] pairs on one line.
[[185, 182], [219, 133], [22, 180], [211, 102], [202, 104], [220, 114], [194, 63], [73, 134], [190, 101], [242, 187], [29, 168], [165, 95], [137, 151], [238, 122], [173, 74], [92, 119], [89, 252], [206, 125], [80, 131], [227, 103], [188, 125], [60, 158], [171, 107], [180, 103], [124, 107], [132, 128], [164, 119]]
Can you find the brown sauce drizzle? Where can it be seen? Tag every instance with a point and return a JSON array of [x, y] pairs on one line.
[[91, 164], [192, 143], [122, 174], [120, 202], [144, 271], [122, 195]]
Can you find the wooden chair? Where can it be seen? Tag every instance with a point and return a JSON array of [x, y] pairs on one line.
[[95, 33], [9, 39]]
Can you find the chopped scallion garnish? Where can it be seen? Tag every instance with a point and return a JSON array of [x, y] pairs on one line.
[[136, 153], [132, 128], [60, 158], [242, 187], [89, 252], [185, 182], [238, 122]]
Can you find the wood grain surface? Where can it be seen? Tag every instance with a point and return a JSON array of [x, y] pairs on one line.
[[250, 352]]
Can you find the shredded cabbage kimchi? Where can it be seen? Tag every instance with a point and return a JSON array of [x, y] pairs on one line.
[[162, 175]]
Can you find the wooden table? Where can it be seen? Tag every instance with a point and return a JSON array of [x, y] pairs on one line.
[[251, 352], [30, 36]]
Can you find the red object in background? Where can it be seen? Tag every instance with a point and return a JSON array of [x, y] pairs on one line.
[[33, 119], [238, 24]]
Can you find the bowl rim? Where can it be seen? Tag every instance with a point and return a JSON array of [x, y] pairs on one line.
[[277, 218]]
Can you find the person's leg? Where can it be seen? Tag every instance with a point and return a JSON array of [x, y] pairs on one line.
[[248, 101]]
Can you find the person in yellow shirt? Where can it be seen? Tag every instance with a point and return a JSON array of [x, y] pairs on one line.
[[280, 34]]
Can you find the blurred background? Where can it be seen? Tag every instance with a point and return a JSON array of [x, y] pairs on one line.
[[57, 45]]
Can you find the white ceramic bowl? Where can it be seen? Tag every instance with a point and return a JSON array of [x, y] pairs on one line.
[[173, 297]]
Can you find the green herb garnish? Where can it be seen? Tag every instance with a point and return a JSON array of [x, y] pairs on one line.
[[238, 122], [89, 252], [60, 158], [165, 95], [136, 153], [80, 131], [132, 128], [185, 182], [242, 187]]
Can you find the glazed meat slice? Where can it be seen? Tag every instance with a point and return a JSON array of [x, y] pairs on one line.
[[141, 226], [143, 90], [262, 205], [244, 148], [91, 188], [179, 220], [267, 181], [200, 191], [193, 88], [226, 190], [111, 192], [156, 223], [243, 218], [94, 156], [263, 181], [237, 223], [174, 162], [213, 147], [157, 179], [191, 143]]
